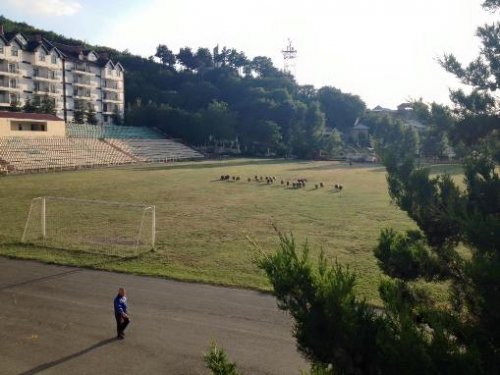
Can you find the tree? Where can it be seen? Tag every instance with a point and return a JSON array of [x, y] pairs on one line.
[[188, 59], [48, 105], [412, 333], [218, 363], [341, 110], [332, 143], [117, 117], [165, 55], [78, 113], [263, 66], [219, 120], [14, 106], [90, 114], [29, 107], [204, 57]]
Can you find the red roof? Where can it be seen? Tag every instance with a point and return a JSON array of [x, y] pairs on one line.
[[29, 116]]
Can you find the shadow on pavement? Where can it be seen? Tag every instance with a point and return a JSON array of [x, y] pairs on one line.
[[32, 281], [48, 365]]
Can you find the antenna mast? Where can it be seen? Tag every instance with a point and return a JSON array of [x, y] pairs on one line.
[[289, 56]]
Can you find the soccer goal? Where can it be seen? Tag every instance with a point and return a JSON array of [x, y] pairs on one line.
[[110, 228]]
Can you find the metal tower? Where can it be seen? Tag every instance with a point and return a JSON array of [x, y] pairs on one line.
[[289, 56]]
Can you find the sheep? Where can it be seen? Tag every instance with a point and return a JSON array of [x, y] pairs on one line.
[[288, 183], [249, 179], [321, 184], [282, 182], [238, 178], [316, 186], [340, 187], [261, 178], [234, 178]]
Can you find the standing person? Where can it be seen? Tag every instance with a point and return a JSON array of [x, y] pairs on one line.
[[121, 316]]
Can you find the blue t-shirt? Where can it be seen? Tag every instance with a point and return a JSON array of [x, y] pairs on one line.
[[120, 304]]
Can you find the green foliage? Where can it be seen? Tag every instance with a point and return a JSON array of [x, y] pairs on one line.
[[117, 117], [407, 256], [413, 334], [218, 363], [272, 114], [333, 144], [29, 106], [341, 334], [90, 114], [166, 56], [14, 106], [48, 105], [341, 110], [79, 113]]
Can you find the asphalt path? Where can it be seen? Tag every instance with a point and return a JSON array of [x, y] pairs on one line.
[[59, 320]]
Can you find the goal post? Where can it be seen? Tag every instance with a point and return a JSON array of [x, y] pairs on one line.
[[110, 228]]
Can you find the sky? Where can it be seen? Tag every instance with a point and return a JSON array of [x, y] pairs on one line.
[[385, 51]]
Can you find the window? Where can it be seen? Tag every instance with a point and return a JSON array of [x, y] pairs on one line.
[[54, 58], [119, 73], [1, 48], [14, 51], [41, 55], [13, 84], [12, 68], [37, 86], [14, 99]]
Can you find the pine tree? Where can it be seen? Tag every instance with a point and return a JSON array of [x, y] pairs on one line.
[[457, 242], [48, 105], [78, 113], [90, 115], [117, 117], [29, 107]]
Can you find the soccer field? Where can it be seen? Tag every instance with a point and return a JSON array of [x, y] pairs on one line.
[[204, 225]]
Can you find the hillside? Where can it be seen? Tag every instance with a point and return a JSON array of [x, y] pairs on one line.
[[219, 97]]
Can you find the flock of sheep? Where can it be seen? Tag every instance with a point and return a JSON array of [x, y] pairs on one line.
[[297, 184]]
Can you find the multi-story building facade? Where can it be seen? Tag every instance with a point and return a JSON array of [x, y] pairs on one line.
[[76, 79]]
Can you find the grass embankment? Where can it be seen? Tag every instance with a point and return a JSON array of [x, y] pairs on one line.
[[203, 225]]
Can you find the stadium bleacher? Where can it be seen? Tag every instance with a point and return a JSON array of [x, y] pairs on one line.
[[32, 154], [110, 131], [155, 150], [88, 146]]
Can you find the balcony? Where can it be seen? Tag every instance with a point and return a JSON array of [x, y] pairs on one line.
[[111, 86], [9, 70], [46, 75], [80, 94], [83, 70], [82, 82], [110, 109], [7, 99], [111, 76], [109, 97], [47, 91], [7, 86]]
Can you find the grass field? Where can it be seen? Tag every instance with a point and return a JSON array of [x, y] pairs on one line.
[[203, 225]]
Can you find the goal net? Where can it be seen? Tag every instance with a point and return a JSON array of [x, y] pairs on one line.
[[110, 228]]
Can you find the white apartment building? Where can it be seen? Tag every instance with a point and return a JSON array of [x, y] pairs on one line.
[[72, 76]]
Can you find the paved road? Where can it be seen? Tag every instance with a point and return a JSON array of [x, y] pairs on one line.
[[59, 320]]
